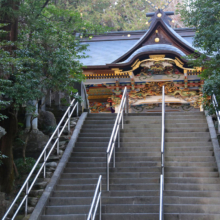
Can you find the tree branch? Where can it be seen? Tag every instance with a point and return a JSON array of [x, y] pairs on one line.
[[45, 4]]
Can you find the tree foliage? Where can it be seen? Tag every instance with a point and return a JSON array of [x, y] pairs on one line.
[[204, 16], [118, 15], [39, 51]]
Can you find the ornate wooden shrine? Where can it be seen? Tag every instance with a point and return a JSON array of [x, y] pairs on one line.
[[155, 58]]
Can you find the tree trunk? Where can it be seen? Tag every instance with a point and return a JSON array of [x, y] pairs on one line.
[[9, 124], [6, 170]]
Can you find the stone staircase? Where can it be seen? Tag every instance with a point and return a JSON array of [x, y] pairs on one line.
[[192, 186]]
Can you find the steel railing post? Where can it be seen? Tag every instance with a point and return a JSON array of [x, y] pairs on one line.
[[45, 156], [107, 172], [114, 157], [119, 136], [58, 142], [100, 202], [77, 109], [122, 120], [127, 103], [26, 202], [68, 121]]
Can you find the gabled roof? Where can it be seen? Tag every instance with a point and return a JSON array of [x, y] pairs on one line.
[[160, 21], [116, 48]]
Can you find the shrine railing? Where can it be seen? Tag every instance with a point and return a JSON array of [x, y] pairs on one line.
[[116, 132], [215, 104], [97, 201], [161, 214], [44, 156]]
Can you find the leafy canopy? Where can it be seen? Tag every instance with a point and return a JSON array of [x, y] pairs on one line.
[[204, 16], [45, 56]]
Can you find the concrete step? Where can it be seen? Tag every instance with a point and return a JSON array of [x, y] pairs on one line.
[[58, 201], [173, 125], [169, 193], [146, 144], [139, 169], [138, 216], [149, 134], [170, 121], [172, 180], [139, 174], [145, 139], [153, 158], [143, 149], [90, 193], [145, 130], [140, 208], [143, 163], [132, 186]]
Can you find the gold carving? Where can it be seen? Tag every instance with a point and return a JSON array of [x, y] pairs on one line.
[[136, 64], [157, 57]]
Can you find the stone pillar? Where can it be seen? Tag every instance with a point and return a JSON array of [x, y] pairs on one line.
[[57, 98], [35, 120], [48, 98], [43, 104]]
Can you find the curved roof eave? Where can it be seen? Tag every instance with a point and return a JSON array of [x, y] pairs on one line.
[[174, 35], [155, 48]]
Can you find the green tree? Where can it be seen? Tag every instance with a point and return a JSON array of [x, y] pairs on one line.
[[44, 56], [118, 15], [204, 16]]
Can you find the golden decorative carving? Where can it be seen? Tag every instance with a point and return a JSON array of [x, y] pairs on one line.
[[136, 64], [157, 57]]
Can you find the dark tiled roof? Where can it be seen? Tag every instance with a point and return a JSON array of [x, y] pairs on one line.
[[155, 48], [103, 52]]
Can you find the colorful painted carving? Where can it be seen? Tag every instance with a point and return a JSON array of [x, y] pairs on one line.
[[97, 107], [159, 67], [115, 100], [162, 67]]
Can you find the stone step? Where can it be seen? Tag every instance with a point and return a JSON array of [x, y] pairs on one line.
[[143, 186], [58, 201], [145, 139], [173, 125], [144, 163], [144, 154], [137, 216], [133, 208], [137, 186], [139, 169], [145, 144], [132, 159], [146, 130], [139, 174], [149, 134], [176, 193], [180, 180], [143, 149], [146, 121], [90, 193]]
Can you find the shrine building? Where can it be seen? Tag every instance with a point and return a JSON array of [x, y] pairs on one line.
[[143, 61]]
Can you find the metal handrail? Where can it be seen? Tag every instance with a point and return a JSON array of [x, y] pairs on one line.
[[44, 155], [84, 96], [97, 201], [161, 214], [215, 104], [115, 133]]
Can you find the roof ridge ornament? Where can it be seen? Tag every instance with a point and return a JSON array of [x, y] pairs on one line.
[[163, 7], [160, 14]]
